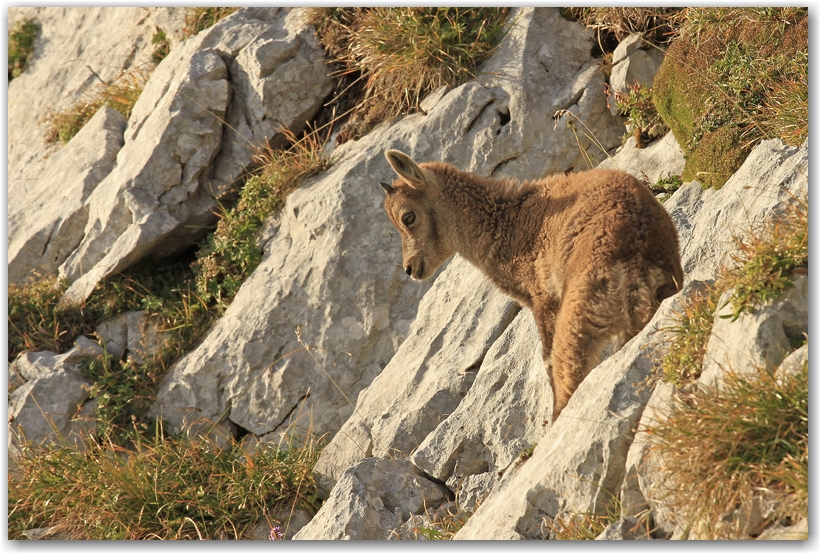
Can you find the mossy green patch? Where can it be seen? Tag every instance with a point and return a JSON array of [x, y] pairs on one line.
[[734, 77]]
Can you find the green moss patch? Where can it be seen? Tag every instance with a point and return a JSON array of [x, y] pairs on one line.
[[734, 77]]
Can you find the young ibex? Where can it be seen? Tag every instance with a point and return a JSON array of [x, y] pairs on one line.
[[592, 254]]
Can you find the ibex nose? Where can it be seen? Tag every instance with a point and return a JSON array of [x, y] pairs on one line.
[[409, 270]]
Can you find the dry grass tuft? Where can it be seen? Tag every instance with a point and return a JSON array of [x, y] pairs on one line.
[[655, 24], [199, 19], [160, 488], [727, 449], [121, 95], [389, 59]]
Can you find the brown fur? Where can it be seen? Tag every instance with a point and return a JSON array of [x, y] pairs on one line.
[[592, 254]]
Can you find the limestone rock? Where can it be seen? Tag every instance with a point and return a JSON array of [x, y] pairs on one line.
[[550, 80], [579, 464], [47, 219], [793, 364], [458, 320], [797, 531], [624, 529], [661, 159], [332, 256], [371, 500], [770, 178], [77, 48], [631, 65], [505, 411], [176, 163], [757, 340], [133, 332], [48, 406], [628, 46]]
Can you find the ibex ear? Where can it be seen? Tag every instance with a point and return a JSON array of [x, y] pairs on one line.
[[408, 169], [388, 188]]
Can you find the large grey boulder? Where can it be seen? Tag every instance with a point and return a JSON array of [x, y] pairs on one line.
[[773, 176], [579, 464], [332, 262], [457, 322], [171, 172], [504, 412], [76, 49], [47, 219], [372, 500], [552, 87]]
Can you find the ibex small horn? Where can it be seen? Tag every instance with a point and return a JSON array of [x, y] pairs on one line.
[[387, 187]]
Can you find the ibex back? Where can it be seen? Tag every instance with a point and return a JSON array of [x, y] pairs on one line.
[[592, 254]]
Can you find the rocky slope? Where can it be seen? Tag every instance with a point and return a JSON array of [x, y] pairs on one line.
[[428, 393]]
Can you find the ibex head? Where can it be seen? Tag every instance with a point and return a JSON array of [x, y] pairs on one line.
[[411, 205]]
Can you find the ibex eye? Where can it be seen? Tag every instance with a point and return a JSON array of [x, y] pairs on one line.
[[408, 218]]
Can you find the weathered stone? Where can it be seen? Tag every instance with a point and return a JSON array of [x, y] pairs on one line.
[[624, 529], [544, 66], [628, 46], [332, 262], [457, 322], [472, 489], [425, 526], [133, 332], [579, 464], [661, 159], [797, 531], [631, 66], [48, 406], [645, 483], [371, 500], [793, 364], [757, 340], [505, 411], [47, 218], [175, 163], [76, 49], [707, 220]]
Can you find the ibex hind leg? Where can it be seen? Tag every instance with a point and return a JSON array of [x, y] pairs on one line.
[[603, 310]]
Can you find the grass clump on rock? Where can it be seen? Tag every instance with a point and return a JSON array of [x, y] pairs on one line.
[[728, 448], [199, 19], [160, 488], [228, 255], [389, 59], [762, 268], [21, 45], [733, 77], [120, 95]]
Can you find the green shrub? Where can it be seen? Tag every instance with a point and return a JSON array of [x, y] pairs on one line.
[[638, 107], [162, 46], [160, 488], [734, 77], [21, 45]]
